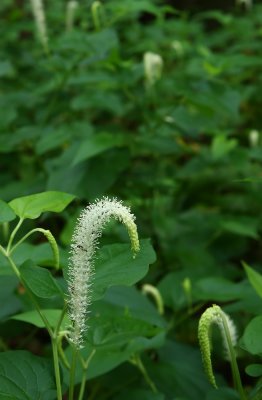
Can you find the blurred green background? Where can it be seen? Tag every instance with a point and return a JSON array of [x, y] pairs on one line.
[[157, 103]]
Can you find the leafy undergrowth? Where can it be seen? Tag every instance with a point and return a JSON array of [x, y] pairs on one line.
[[161, 109]]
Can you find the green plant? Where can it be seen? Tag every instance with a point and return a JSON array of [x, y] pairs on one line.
[[39, 282]]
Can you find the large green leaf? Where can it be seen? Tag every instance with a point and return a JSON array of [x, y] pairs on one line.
[[254, 278], [39, 280], [24, 376], [96, 144], [117, 329], [107, 357], [6, 212], [9, 301], [251, 340], [34, 205], [115, 265], [52, 316]]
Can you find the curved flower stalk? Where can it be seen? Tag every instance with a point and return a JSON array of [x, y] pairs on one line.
[[83, 247], [214, 315], [154, 292]]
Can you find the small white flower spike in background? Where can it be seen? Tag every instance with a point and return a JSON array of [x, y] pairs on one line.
[[84, 245], [70, 14], [39, 15], [153, 66]]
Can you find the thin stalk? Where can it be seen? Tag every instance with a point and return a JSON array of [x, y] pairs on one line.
[[57, 369], [60, 320], [2, 250], [48, 235], [61, 353], [85, 367], [234, 366], [5, 227], [83, 385], [142, 369], [72, 374], [30, 294], [12, 236]]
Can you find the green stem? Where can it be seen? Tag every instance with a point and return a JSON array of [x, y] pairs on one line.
[[85, 367], [72, 374], [12, 236], [234, 366], [60, 320], [2, 250], [138, 362], [48, 236], [83, 385], [5, 227], [57, 369]]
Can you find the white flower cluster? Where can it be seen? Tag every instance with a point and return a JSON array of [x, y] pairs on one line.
[[153, 66], [84, 245], [39, 15], [70, 14]]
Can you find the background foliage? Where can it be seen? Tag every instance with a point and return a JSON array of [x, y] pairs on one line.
[[185, 153]]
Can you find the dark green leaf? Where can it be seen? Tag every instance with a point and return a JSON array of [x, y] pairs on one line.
[[254, 370], [115, 266], [6, 212], [254, 278], [251, 340], [24, 376], [39, 280]]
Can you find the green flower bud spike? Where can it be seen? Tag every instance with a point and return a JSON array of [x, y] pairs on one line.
[[214, 315], [154, 292]]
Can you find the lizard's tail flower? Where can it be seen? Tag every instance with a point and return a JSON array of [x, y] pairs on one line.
[[39, 15], [83, 247], [214, 315], [72, 6]]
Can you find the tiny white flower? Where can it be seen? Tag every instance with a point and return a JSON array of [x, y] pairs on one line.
[[83, 247]]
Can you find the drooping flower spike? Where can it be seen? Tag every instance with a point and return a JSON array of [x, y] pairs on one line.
[[214, 315], [83, 247]]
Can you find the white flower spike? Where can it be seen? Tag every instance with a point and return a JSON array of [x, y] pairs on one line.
[[39, 15], [83, 247]]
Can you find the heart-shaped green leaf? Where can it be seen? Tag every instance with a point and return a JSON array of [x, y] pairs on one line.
[[34, 205]]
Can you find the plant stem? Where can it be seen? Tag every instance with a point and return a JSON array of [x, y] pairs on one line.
[[72, 374], [56, 367], [142, 369], [12, 236], [234, 366], [85, 365], [83, 385], [30, 294]]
